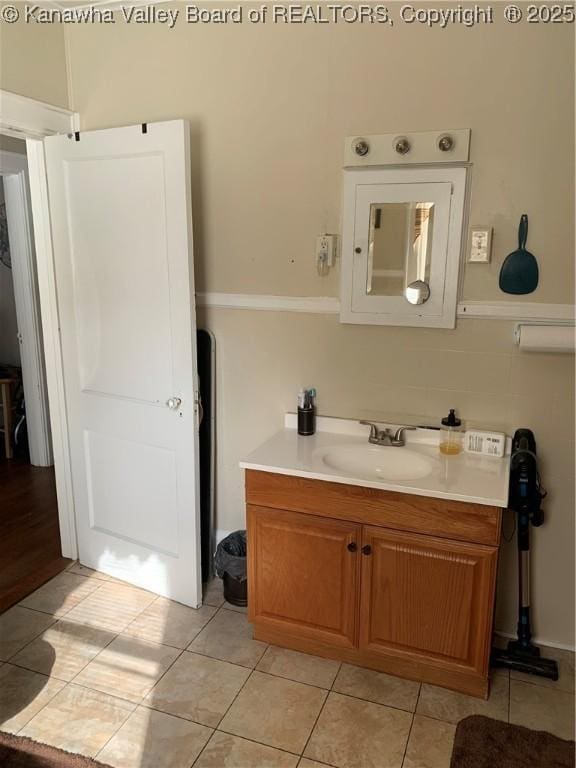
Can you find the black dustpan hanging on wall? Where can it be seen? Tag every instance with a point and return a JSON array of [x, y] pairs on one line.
[[519, 273]]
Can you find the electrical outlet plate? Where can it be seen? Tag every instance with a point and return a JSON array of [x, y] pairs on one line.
[[325, 251], [480, 250]]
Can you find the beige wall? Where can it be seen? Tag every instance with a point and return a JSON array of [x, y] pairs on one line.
[[33, 61], [8, 144], [269, 108]]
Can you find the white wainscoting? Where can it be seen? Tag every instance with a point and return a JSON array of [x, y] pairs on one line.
[[495, 310], [310, 304]]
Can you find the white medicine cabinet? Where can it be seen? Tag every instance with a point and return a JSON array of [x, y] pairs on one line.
[[401, 245]]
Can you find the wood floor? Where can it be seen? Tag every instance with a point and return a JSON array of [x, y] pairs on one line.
[[29, 533]]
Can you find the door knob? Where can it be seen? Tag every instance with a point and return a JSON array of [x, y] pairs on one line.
[[352, 546], [366, 549], [174, 403]]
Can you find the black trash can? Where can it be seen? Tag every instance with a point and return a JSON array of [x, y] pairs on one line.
[[230, 565]]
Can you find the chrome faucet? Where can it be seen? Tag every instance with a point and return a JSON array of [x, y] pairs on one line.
[[386, 436]]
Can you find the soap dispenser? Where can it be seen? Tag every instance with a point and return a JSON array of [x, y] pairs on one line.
[[451, 434]]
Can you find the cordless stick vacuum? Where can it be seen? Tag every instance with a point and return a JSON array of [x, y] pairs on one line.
[[525, 497]]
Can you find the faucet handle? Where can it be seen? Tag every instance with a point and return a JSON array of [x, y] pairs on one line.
[[399, 434], [374, 429]]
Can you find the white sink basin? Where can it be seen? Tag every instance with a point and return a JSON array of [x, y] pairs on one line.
[[375, 462]]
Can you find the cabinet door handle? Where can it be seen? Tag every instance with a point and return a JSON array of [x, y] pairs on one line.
[[366, 549], [352, 546]]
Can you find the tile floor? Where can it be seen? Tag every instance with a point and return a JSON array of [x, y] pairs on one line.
[[94, 666]]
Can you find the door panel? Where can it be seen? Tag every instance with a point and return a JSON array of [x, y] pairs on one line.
[[121, 222], [303, 576], [139, 479], [426, 596], [122, 311]]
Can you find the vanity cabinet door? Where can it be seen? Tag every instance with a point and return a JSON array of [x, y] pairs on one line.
[[303, 575], [427, 598]]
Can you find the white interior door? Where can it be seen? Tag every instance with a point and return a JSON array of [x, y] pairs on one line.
[[122, 235]]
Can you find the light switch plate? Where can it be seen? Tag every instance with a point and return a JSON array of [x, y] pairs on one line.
[[480, 245]]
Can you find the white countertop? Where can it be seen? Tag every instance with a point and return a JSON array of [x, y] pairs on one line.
[[464, 477]]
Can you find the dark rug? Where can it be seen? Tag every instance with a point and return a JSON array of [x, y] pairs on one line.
[[21, 752], [481, 742]]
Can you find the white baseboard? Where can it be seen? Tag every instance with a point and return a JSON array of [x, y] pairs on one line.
[[538, 641]]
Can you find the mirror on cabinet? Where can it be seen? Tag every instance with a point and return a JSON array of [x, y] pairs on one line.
[[402, 232], [399, 247]]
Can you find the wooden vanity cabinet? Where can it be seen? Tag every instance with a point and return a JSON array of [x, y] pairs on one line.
[[402, 584]]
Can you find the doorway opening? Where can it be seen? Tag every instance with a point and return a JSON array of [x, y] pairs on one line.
[[30, 546]]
